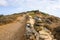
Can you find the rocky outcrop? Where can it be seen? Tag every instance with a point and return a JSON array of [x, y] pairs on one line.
[[45, 26]]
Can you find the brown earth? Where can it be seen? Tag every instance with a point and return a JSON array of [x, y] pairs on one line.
[[13, 31]]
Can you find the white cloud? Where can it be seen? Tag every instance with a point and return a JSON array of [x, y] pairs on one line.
[[3, 3], [53, 7], [15, 2], [50, 6]]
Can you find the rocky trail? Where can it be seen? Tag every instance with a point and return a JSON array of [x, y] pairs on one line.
[[32, 34], [24, 28]]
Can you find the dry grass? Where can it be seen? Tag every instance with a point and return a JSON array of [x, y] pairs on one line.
[[5, 19]]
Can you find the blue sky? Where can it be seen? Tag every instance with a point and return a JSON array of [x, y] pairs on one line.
[[14, 6]]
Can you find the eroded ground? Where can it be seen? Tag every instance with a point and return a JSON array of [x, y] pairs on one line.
[[13, 31]]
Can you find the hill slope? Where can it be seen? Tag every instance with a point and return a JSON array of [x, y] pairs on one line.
[[13, 31], [35, 22], [48, 22]]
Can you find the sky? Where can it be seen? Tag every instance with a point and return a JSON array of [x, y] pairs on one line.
[[51, 7]]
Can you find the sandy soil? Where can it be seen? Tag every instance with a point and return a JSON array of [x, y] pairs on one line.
[[13, 31]]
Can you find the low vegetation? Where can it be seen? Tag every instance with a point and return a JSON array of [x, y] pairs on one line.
[[48, 21], [5, 19]]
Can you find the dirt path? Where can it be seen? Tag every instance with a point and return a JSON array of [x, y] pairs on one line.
[[13, 31]]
